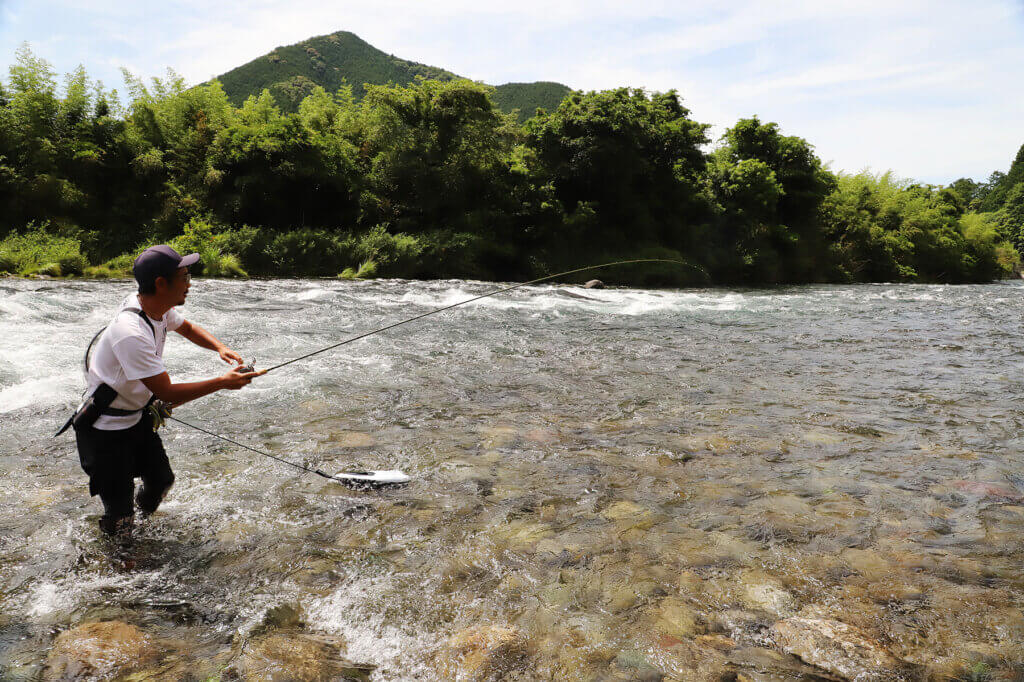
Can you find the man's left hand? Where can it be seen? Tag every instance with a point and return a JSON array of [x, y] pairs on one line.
[[229, 356]]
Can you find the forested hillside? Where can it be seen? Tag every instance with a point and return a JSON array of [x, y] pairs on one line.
[[291, 73], [431, 179], [526, 98]]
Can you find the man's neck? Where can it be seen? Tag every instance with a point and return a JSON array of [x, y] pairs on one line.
[[152, 307]]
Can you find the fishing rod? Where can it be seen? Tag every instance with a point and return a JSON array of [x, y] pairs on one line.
[[391, 477], [477, 298]]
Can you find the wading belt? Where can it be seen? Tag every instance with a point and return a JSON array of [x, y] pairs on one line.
[[99, 401]]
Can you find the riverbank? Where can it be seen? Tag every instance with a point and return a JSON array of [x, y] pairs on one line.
[[251, 252]]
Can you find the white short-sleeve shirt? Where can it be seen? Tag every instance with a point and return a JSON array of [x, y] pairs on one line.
[[126, 352]]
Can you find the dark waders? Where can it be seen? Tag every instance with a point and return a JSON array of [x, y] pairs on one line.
[[113, 460]]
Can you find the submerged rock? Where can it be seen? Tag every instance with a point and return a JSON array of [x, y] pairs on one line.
[[764, 592], [757, 664], [636, 665], [352, 439], [298, 657], [678, 619], [280, 649], [715, 641], [836, 647], [997, 491], [484, 652], [100, 650]]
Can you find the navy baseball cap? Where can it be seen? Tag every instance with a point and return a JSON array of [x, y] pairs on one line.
[[160, 261]]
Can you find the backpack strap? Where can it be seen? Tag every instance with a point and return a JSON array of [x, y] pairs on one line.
[[145, 318]]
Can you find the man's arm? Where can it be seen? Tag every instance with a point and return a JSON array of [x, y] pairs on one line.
[[177, 394], [204, 339]]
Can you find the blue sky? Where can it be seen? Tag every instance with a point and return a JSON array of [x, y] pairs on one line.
[[931, 90]]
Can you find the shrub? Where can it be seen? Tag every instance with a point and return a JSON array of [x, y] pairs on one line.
[[307, 252], [72, 264], [38, 251], [119, 267], [122, 264], [100, 272], [227, 265], [201, 236], [445, 253], [47, 269], [251, 245], [393, 254], [367, 270]]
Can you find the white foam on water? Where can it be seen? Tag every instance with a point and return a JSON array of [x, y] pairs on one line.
[[51, 390], [15, 310], [60, 598], [622, 302], [47, 598], [312, 294], [348, 612]]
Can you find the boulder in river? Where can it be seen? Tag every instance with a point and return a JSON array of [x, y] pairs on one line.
[[299, 657], [281, 648], [594, 284], [484, 652], [837, 647], [100, 650]]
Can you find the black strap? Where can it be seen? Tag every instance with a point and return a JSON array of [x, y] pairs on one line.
[[117, 412], [145, 318]]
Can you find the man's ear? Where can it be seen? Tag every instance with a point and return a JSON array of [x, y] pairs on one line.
[[158, 280]]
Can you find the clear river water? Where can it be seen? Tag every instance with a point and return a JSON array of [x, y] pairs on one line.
[[607, 484]]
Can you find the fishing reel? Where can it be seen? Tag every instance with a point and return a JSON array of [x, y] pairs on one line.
[[249, 367]]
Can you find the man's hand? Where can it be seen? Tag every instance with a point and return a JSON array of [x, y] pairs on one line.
[[236, 379], [229, 356]]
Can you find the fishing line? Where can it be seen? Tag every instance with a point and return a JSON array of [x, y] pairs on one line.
[[372, 477], [243, 445], [477, 298]]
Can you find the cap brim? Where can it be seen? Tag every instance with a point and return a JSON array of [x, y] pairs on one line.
[[190, 259]]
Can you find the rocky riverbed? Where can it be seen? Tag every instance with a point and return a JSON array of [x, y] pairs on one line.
[[816, 483]]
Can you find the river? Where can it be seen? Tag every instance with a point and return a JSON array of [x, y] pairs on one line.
[[607, 484]]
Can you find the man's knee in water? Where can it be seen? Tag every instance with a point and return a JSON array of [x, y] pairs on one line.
[[152, 493]]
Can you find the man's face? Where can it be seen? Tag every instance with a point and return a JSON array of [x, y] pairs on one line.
[[178, 286]]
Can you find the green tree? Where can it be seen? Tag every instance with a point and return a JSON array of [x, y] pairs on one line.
[[624, 168], [436, 158], [783, 241], [281, 171]]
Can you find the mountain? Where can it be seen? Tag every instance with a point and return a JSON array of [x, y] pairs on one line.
[[292, 72]]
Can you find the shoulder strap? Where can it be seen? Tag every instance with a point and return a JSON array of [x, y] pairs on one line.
[[144, 316], [88, 350], [138, 311]]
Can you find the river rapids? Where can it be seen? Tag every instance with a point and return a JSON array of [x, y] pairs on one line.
[[607, 484]]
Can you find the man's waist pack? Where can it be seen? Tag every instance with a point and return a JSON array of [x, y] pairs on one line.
[[96, 404]]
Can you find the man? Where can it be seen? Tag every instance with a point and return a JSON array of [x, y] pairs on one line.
[[127, 364]]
